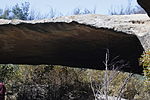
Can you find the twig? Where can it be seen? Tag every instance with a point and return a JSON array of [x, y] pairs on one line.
[[123, 86]]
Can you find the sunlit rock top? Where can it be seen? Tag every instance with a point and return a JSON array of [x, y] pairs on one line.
[[131, 24]]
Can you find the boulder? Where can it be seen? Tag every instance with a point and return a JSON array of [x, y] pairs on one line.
[[76, 41]]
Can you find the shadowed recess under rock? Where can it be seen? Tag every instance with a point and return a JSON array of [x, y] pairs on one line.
[[68, 44]]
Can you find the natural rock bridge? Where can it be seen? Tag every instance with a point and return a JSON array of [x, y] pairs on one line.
[[77, 41]]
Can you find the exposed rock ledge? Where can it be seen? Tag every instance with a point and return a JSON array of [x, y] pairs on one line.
[[79, 41], [138, 24]]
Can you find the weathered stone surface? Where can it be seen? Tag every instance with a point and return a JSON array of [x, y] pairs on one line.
[[138, 24], [145, 4], [82, 43]]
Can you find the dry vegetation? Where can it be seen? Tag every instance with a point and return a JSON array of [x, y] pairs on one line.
[[27, 82], [75, 81]]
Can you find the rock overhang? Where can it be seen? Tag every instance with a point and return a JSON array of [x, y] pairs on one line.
[[78, 33], [137, 24]]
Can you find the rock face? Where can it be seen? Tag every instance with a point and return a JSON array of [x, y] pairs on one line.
[[145, 4], [76, 41]]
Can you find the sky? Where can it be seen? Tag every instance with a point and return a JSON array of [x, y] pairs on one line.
[[67, 6]]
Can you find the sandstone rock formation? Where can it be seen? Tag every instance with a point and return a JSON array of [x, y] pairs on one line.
[[76, 41]]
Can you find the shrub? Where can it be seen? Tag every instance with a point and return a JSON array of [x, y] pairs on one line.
[[145, 61]]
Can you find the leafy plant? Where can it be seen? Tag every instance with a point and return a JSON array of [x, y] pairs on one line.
[[5, 14], [21, 12]]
